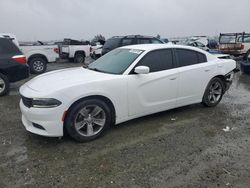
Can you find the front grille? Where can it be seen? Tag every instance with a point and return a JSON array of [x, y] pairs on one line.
[[27, 101]]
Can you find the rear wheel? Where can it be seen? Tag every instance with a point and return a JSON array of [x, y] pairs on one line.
[[79, 58], [4, 85], [88, 120], [37, 65], [214, 92]]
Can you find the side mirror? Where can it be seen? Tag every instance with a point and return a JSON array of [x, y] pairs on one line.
[[141, 70]]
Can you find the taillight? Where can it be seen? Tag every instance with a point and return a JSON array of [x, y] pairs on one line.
[[242, 46], [56, 50], [90, 49], [20, 59]]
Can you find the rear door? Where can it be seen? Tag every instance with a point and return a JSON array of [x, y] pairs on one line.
[[156, 91], [195, 73]]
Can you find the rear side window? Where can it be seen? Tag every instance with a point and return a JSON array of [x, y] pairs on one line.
[[112, 43], [8, 47], [155, 41], [158, 60], [143, 41], [127, 41], [201, 58], [189, 57]]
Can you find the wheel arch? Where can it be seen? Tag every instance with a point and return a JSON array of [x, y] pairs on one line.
[[100, 97], [222, 78], [37, 55], [80, 52]]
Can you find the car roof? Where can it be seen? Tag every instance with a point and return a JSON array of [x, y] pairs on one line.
[[132, 36], [150, 47]]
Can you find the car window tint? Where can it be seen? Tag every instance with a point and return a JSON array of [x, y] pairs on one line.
[[143, 41], [8, 47], [126, 42], [158, 60], [154, 41], [112, 43], [247, 39], [186, 57], [201, 58]]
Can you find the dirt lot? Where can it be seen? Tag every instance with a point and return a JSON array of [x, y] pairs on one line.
[[185, 147]]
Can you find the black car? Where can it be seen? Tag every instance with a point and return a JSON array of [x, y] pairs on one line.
[[13, 65], [119, 41]]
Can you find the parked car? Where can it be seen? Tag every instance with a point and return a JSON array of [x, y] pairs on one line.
[[39, 55], [236, 44], [127, 83], [10, 37], [75, 50], [119, 41], [13, 65], [96, 50], [198, 44]]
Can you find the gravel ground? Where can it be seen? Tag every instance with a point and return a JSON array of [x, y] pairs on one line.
[[184, 147]]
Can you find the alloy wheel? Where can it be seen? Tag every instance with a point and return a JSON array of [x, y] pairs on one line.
[[38, 66], [90, 120], [215, 92]]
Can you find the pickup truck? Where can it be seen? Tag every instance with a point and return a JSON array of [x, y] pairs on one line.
[[236, 44], [38, 55], [75, 50]]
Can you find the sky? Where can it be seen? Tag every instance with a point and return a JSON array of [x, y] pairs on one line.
[[83, 19]]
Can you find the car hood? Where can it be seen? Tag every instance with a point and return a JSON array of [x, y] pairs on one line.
[[64, 78]]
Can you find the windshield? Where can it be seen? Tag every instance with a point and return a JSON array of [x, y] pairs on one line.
[[116, 61]]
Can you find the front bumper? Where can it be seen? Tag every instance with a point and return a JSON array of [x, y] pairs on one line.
[[44, 122]]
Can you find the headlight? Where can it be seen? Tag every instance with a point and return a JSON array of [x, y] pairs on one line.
[[45, 103]]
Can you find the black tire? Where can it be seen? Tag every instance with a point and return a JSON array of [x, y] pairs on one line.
[[74, 114], [4, 85], [207, 99], [37, 65], [246, 55], [79, 58], [71, 60]]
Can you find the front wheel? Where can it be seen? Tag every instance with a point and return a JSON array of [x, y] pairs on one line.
[[4, 85], [88, 120], [214, 92]]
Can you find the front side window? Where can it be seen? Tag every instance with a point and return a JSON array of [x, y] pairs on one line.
[[189, 57], [158, 60], [116, 61]]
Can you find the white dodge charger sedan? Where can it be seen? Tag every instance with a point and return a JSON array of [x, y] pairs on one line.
[[127, 83]]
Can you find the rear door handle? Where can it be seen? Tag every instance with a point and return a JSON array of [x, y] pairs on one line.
[[174, 78], [207, 70]]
